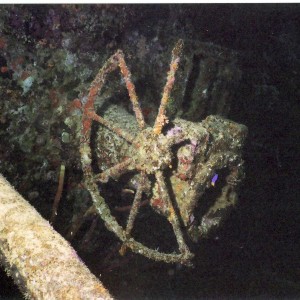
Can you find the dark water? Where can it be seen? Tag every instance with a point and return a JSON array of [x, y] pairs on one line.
[[256, 252]]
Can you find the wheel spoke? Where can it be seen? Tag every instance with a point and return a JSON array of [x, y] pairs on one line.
[[161, 118], [114, 172], [131, 90], [173, 218], [136, 203], [118, 131]]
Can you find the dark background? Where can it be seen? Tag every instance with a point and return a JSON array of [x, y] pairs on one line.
[[256, 252]]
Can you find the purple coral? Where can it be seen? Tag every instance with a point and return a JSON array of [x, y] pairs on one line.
[[174, 131]]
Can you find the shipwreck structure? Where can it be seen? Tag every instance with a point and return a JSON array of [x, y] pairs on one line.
[[171, 164]]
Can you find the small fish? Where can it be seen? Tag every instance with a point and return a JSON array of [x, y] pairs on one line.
[[214, 179]]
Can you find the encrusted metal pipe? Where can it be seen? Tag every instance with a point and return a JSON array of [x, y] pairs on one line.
[[41, 262]]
